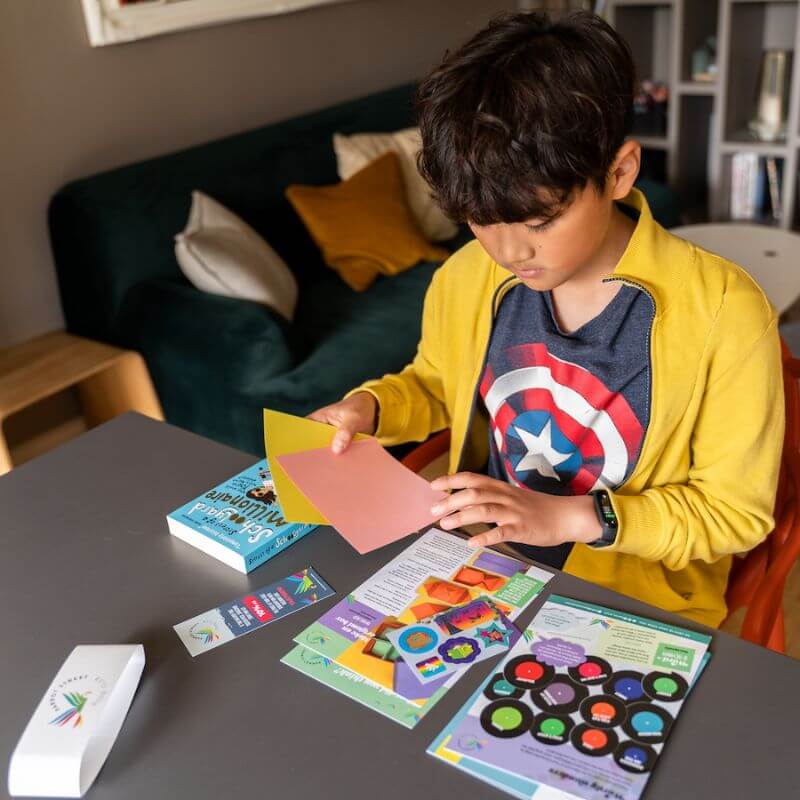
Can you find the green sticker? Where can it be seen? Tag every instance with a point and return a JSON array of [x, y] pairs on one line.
[[520, 590], [674, 657], [553, 727], [665, 686], [506, 719]]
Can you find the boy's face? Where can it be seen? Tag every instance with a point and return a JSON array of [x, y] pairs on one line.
[[546, 255]]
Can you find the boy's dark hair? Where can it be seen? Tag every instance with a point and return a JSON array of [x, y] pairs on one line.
[[523, 114]]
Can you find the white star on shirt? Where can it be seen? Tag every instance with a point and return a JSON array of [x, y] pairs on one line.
[[541, 455]]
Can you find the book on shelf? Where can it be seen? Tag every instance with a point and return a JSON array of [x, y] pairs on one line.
[[239, 521], [756, 187]]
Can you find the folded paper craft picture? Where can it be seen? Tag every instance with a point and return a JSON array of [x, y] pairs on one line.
[[287, 433], [365, 493]]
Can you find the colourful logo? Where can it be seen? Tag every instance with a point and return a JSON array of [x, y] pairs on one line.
[[76, 702], [314, 659], [204, 632], [459, 650], [605, 624], [304, 583], [72, 698], [471, 743], [431, 666], [416, 640]]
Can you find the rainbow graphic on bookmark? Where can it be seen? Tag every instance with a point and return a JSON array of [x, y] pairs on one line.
[[205, 635], [303, 581]]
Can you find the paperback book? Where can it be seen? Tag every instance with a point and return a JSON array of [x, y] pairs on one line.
[[238, 521]]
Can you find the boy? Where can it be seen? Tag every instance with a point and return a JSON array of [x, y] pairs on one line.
[[614, 393]]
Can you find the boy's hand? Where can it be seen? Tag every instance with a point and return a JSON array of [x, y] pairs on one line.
[[519, 514], [357, 414]]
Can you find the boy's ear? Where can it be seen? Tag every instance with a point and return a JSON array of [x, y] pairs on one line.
[[625, 169]]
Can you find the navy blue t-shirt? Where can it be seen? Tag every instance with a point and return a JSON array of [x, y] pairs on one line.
[[567, 411]]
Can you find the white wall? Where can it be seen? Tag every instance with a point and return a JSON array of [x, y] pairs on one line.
[[68, 110]]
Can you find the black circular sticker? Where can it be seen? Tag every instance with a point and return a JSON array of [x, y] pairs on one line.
[[499, 688], [525, 672], [560, 696], [506, 719], [593, 741], [603, 710], [635, 757], [591, 672], [647, 722], [551, 729], [665, 686]]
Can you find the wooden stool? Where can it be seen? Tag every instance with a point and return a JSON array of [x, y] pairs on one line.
[[110, 381]]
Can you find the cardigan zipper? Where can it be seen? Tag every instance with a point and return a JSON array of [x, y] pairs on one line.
[[492, 314]]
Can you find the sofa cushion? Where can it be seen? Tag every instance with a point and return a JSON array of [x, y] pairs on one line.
[[220, 253], [364, 226], [355, 151]]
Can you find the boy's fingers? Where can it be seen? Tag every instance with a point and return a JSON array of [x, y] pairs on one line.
[[467, 497], [341, 440], [494, 536], [463, 480]]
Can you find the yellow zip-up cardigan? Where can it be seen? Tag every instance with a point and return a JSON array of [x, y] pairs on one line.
[[704, 485]]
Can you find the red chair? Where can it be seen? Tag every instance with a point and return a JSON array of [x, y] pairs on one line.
[[757, 580]]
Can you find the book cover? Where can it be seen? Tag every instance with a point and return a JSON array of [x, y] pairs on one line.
[[238, 521]]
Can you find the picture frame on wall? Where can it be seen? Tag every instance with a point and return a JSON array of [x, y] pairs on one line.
[[117, 21]]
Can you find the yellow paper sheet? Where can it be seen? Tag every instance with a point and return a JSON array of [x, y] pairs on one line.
[[286, 433]]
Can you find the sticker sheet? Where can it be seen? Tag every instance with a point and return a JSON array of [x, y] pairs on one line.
[[438, 648]]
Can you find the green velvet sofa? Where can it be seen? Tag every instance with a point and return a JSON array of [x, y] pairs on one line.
[[215, 361]]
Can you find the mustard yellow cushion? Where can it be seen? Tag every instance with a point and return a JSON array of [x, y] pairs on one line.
[[363, 226]]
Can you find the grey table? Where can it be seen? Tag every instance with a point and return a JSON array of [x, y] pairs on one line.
[[86, 558]]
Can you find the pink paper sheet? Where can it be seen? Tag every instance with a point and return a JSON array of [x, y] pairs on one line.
[[368, 496]]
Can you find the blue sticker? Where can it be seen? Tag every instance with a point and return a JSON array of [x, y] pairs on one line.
[[417, 639]]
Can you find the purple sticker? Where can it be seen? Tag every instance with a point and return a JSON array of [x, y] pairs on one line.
[[558, 653], [459, 650]]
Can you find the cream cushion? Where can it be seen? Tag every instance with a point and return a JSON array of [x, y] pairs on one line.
[[355, 151], [221, 254]]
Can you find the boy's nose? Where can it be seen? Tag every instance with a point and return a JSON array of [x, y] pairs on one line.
[[514, 252]]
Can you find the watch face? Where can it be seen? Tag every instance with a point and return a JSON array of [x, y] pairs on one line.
[[607, 518]]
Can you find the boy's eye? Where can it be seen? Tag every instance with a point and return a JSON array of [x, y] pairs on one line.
[[541, 227]]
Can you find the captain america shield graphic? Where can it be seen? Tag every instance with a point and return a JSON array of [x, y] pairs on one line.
[[557, 425]]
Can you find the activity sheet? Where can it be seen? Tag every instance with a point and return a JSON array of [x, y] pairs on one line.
[[435, 573], [581, 705]]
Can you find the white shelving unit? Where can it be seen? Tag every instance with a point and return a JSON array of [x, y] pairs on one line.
[[707, 122]]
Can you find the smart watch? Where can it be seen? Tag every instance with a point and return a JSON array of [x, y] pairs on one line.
[[607, 518]]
